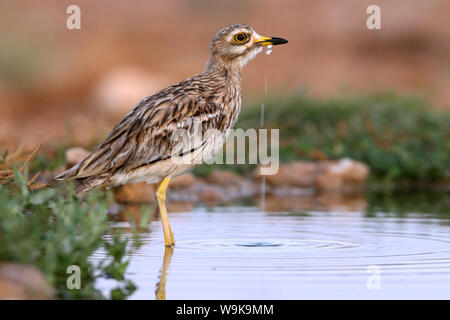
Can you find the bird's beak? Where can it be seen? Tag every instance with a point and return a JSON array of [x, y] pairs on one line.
[[265, 41]]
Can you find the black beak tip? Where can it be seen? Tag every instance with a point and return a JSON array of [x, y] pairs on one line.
[[276, 41]]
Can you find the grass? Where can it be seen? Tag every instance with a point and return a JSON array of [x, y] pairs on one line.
[[400, 138], [51, 229]]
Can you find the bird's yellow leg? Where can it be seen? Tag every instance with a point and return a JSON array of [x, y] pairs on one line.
[[161, 197]]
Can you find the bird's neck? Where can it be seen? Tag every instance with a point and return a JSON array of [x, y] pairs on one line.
[[227, 72]]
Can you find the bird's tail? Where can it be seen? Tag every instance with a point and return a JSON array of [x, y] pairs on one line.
[[84, 184], [81, 184], [68, 174]]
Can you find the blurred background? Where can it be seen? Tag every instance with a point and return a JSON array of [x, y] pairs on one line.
[[59, 85], [364, 177]]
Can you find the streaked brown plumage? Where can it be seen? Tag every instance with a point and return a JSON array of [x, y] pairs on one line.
[[140, 147]]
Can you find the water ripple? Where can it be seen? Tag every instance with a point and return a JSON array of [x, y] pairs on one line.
[[255, 255]]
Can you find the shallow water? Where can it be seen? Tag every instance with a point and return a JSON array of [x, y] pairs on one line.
[[240, 252]]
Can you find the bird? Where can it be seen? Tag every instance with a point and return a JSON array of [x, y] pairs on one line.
[[141, 147]]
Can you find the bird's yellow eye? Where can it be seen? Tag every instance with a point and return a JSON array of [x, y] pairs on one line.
[[240, 37]]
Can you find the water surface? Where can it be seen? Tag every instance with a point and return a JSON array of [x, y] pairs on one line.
[[240, 252]]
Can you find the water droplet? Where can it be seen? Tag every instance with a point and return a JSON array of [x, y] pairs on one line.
[[269, 49]]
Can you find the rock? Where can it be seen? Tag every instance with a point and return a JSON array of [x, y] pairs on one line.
[[133, 212], [224, 178], [75, 155], [140, 192], [183, 181], [203, 191], [297, 174], [356, 172], [221, 186], [328, 179], [23, 282], [343, 174]]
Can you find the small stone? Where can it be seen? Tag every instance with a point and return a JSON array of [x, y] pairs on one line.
[[23, 282], [343, 174], [140, 192], [297, 174], [224, 178], [210, 196], [183, 181], [75, 155]]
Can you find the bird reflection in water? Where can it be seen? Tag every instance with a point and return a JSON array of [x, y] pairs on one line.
[[160, 292]]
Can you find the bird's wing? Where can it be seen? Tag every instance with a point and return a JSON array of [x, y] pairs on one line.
[[143, 136]]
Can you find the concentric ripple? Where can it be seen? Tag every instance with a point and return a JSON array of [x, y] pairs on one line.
[[269, 245], [244, 254]]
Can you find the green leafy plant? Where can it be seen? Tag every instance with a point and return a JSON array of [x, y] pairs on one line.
[[398, 137], [52, 229]]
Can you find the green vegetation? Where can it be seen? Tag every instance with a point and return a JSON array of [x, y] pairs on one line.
[[52, 229], [429, 203], [398, 137], [49, 161]]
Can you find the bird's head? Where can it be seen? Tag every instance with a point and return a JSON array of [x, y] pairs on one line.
[[238, 44]]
